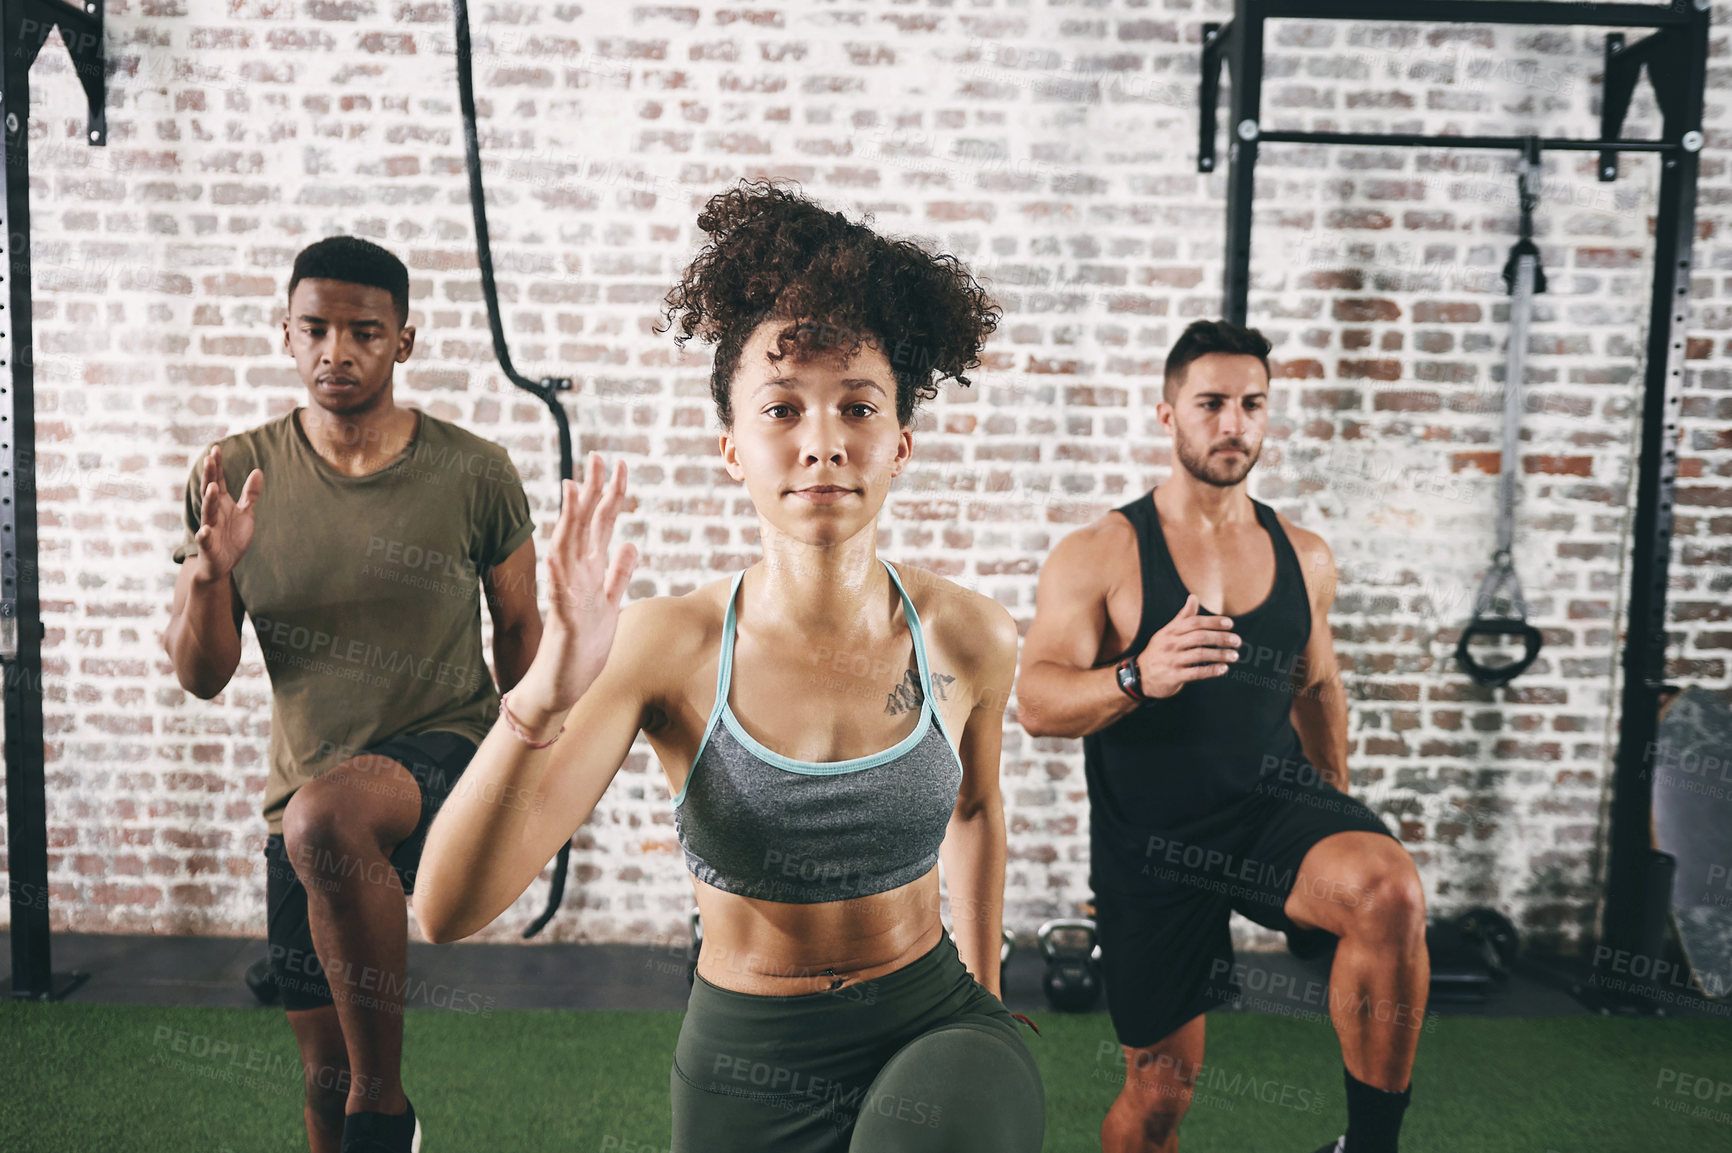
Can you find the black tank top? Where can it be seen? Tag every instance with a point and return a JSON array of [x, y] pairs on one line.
[[1177, 767]]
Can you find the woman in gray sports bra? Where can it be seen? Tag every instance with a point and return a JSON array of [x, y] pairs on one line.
[[830, 1012]]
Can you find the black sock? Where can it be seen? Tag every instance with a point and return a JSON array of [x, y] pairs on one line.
[[1373, 1116], [389, 1130]]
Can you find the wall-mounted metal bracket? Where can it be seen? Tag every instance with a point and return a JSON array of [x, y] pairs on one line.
[[1216, 38], [1667, 56], [28, 23]]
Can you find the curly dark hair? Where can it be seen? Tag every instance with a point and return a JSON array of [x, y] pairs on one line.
[[773, 254]]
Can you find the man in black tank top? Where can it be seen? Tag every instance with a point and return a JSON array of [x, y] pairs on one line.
[[1215, 752]]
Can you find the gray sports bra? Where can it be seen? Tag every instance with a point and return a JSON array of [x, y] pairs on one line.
[[762, 825]]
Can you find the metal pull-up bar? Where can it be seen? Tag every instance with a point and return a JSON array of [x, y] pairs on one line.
[[1675, 56]]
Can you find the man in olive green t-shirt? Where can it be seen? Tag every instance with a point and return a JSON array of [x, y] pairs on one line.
[[360, 535]]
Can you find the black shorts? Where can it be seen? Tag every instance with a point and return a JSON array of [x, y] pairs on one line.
[[436, 761], [1166, 952]]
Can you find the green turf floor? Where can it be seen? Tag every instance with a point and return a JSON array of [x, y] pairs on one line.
[[126, 1078]]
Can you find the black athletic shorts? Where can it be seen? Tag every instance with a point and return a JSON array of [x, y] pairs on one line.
[[436, 761], [1166, 953]]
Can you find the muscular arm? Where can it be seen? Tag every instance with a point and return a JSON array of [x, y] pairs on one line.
[[203, 638], [1059, 693], [510, 591], [973, 852], [1320, 706]]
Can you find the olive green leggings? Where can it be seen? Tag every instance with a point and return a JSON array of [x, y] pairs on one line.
[[922, 1059]]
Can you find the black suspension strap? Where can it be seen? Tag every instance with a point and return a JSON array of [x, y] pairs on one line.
[[547, 388], [1524, 277]]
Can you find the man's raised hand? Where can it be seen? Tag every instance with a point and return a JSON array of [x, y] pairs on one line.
[[1190, 647], [225, 526]]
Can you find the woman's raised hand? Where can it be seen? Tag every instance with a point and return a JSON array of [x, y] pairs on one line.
[[585, 588]]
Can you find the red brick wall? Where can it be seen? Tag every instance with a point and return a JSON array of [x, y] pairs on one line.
[[1050, 148]]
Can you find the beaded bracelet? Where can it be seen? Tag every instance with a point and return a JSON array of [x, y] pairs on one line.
[[521, 735]]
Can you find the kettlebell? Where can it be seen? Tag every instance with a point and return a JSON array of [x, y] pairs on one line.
[[1072, 983], [263, 982], [1494, 936]]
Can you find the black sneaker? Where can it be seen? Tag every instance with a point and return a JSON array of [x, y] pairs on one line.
[[382, 1132], [1335, 1146]]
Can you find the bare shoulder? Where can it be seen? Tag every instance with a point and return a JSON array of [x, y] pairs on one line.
[[658, 639], [1316, 560], [1086, 562], [968, 631], [1107, 535], [672, 627]]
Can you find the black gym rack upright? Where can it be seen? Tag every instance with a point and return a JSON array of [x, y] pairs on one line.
[[24, 27], [1638, 879]]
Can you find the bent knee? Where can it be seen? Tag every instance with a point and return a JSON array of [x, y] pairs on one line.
[[976, 1088], [1393, 909], [992, 1058], [1400, 896], [330, 817], [317, 833]]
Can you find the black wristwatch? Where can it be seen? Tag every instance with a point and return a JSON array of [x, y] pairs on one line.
[[1130, 680]]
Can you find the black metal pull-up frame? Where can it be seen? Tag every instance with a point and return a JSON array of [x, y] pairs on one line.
[[1676, 55], [24, 27]]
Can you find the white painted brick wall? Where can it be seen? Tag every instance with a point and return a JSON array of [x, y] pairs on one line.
[[1053, 150]]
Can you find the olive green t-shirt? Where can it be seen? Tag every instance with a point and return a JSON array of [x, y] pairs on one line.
[[364, 591]]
